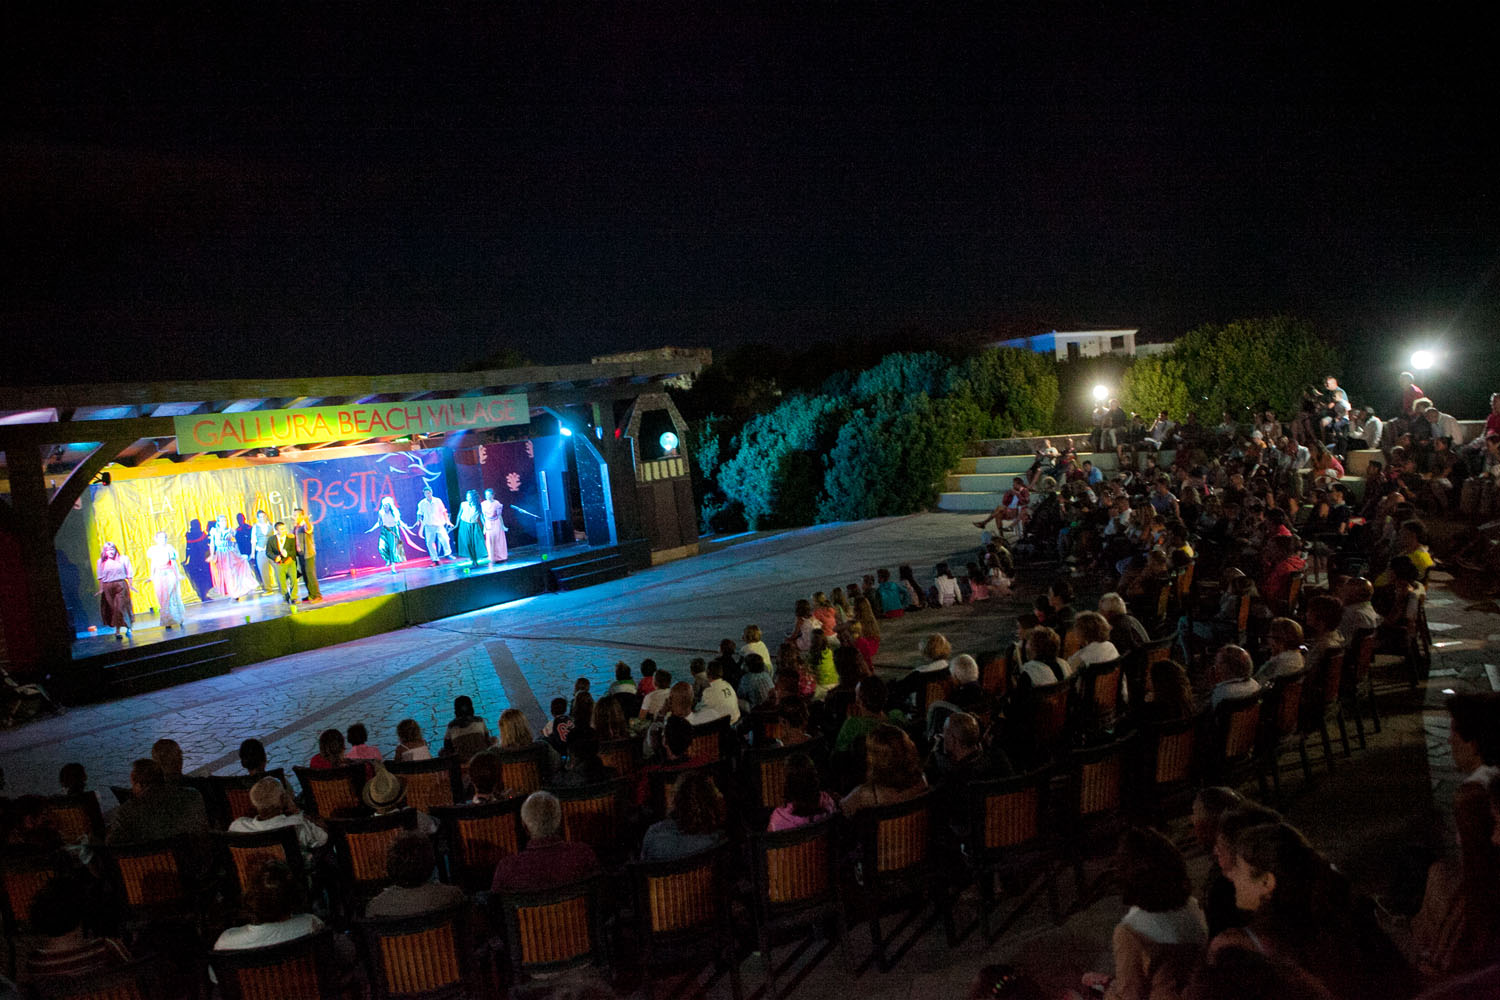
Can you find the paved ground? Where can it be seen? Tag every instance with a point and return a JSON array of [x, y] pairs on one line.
[[522, 654]]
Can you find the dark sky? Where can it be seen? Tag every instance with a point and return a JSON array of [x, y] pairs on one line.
[[238, 190]]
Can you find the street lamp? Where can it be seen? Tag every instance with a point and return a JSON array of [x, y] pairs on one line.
[[1101, 393], [1422, 360]]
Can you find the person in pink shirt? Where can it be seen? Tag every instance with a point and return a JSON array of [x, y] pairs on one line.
[[806, 801], [359, 748]]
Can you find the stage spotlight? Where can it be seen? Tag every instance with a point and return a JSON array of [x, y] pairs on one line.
[[1422, 360], [1101, 393], [565, 430], [668, 442]]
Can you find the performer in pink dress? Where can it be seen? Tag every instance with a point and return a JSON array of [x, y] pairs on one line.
[[166, 579], [114, 575], [494, 527], [233, 576]]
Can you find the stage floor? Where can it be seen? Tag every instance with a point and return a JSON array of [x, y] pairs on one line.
[[222, 613]]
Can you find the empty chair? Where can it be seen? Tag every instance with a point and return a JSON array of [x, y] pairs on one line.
[[554, 929], [796, 886], [1097, 698], [430, 955], [682, 907], [1094, 807], [711, 741], [1170, 765], [1236, 722], [624, 755], [1358, 693], [1281, 708], [153, 881], [1009, 837]]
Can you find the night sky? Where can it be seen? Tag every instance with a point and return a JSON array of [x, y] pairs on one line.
[[243, 191]]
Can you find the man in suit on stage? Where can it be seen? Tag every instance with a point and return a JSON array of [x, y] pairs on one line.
[[282, 551], [307, 552]]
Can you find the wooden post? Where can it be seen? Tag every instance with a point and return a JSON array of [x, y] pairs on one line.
[[40, 585]]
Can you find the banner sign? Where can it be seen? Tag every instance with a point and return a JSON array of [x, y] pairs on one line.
[[314, 424]]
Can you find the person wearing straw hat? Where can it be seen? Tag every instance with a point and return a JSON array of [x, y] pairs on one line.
[[385, 794]]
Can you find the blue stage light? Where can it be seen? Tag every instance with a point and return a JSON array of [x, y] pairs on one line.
[[565, 430], [668, 441]]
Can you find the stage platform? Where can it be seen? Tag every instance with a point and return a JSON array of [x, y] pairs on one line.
[[223, 634]]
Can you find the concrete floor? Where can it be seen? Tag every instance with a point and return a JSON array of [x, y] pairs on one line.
[[1363, 815]]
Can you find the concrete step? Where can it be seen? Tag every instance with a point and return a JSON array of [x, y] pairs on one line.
[[979, 503]]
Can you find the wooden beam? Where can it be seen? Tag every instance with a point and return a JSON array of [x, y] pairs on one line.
[[154, 393], [78, 480], [37, 435]]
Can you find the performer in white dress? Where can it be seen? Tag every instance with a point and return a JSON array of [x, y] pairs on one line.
[[166, 578], [494, 526]]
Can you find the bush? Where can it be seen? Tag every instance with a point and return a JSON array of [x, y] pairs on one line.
[[1016, 390], [776, 472], [1250, 362]]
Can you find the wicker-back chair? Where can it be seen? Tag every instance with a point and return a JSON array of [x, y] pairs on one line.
[[595, 815], [1047, 710], [1009, 835], [332, 792], [555, 929], [476, 837], [995, 670], [624, 755], [711, 741], [242, 854], [425, 956], [1236, 723], [523, 770], [152, 880], [228, 797], [682, 906], [302, 967], [138, 980], [22, 876], [1170, 765], [428, 783], [76, 818], [1358, 695], [1098, 700], [1280, 714], [796, 885], [931, 687], [765, 776], [360, 847], [662, 784], [896, 857], [1096, 799]]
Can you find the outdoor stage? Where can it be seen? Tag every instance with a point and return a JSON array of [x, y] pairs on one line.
[[224, 634]]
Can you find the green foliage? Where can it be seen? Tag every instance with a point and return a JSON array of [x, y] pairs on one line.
[[776, 474], [1154, 383], [1250, 362], [899, 377], [891, 460], [1016, 389]]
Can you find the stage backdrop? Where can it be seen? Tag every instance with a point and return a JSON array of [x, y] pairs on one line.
[[340, 495]]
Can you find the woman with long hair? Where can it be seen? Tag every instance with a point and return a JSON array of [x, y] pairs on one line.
[[388, 522], [696, 822], [806, 801], [468, 542], [232, 573], [166, 581], [493, 512], [893, 771], [115, 575]]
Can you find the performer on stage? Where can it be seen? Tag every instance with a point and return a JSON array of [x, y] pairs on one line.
[[388, 522], [281, 553], [260, 535], [114, 575], [432, 514], [494, 526], [233, 576], [196, 560], [307, 552], [166, 578], [470, 537]]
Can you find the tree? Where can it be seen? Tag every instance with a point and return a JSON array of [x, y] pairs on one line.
[[1017, 389], [776, 474], [1154, 383], [1251, 362]]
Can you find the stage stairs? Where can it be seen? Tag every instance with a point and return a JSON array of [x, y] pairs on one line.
[[587, 569], [134, 670]]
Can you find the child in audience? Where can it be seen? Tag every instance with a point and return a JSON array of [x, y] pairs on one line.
[[359, 749], [751, 642], [648, 677], [655, 703], [623, 681], [411, 746], [979, 588], [330, 751], [806, 801], [756, 684], [74, 779], [555, 731], [825, 614], [945, 586]]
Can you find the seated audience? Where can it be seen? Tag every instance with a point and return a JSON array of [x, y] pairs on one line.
[[547, 860], [411, 744], [1093, 633], [276, 908], [695, 823], [655, 703], [755, 685], [385, 794], [330, 751], [359, 747], [1285, 638], [484, 776], [157, 810], [411, 863], [1233, 676], [806, 801], [1125, 630], [1043, 666], [65, 948], [275, 808], [467, 733], [252, 754], [893, 772]]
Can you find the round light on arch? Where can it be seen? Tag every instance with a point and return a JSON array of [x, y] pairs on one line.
[[668, 441]]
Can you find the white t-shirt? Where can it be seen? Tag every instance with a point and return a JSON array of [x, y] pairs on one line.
[[718, 696], [759, 649], [1094, 652], [1225, 690], [1041, 674], [259, 935], [654, 702], [948, 592], [308, 834]]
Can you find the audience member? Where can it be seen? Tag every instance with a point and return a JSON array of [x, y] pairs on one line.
[[410, 864], [806, 801], [65, 949], [547, 860], [695, 822], [893, 772], [411, 745]]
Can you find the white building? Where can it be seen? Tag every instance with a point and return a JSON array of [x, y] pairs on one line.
[[1078, 344]]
